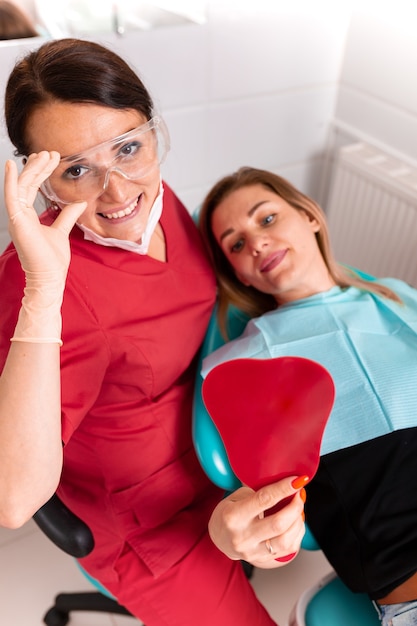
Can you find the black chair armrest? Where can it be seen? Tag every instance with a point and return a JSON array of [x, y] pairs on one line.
[[64, 529]]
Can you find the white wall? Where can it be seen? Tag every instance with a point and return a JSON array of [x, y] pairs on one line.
[[376, 99], [255, 85], [377, 96], [9, 52]]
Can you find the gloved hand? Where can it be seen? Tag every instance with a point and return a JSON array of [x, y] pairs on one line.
[[44, 251]]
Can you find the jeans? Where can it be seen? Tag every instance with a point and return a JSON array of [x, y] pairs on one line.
[[403, 614]]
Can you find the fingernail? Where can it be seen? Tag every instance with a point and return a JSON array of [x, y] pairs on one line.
[[303, 516], [299, 482], [303, 494], [289, 557]]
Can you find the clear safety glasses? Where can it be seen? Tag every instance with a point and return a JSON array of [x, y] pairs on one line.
[[132, 156]]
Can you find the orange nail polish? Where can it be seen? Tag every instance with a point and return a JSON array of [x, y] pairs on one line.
[[299, 482], [303, 516], [285, 559], [303, 494]]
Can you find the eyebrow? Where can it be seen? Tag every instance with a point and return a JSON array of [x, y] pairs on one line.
[[79, 157], [251, 211]]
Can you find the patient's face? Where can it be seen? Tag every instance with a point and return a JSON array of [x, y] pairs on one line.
[[271, 245]]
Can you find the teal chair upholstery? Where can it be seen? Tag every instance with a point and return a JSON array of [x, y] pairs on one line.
[[331, 603]]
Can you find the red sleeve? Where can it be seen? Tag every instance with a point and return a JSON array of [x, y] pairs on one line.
[[12, 282]]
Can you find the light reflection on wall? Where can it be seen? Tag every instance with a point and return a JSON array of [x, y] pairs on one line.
[[85, 17]]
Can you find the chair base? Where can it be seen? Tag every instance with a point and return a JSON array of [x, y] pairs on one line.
[[59, 614]]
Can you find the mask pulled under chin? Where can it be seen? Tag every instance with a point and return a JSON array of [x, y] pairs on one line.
[[131, 246]]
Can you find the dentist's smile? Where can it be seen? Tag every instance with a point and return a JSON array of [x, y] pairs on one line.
[[121, 213]]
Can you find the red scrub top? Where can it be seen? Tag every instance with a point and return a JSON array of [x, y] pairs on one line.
[[132, 327]]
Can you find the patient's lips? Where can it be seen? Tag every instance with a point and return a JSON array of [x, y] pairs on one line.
[[272, 261]]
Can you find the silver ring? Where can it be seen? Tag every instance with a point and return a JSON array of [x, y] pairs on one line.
[[269, 547]]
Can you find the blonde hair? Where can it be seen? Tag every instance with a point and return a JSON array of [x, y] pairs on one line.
[[248, 299], [14, 23]]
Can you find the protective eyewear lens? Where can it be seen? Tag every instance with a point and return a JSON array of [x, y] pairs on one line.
[[132, 156]]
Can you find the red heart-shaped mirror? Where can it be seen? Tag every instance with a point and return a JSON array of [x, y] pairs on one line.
[[271, 415]]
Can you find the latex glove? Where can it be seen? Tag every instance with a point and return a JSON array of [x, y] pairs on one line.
[[44, 251], [40, 248]]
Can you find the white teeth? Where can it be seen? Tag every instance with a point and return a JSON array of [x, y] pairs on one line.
[[127, 211]]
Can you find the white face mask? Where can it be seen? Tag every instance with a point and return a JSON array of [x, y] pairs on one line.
[[131, 246]]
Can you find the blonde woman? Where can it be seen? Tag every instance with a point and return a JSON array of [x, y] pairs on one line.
[[271, 250]]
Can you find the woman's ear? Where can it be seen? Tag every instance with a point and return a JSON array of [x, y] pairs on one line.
[[315, 226]]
